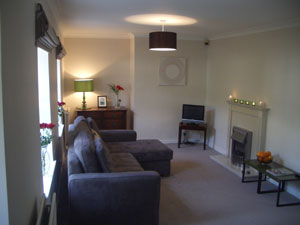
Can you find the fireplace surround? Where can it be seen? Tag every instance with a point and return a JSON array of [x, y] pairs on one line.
[[252, 119]]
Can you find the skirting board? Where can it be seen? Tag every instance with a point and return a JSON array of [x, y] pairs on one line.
[[218, 149], [169, 141]]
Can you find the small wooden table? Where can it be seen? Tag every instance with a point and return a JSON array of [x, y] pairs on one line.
[[192, 126]]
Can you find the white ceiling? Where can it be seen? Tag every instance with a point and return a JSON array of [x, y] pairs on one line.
[[215, 18]]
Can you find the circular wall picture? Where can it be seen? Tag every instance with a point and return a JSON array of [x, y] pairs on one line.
[[172, 71]]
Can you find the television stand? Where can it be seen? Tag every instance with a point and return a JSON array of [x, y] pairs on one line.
[[194, 126]]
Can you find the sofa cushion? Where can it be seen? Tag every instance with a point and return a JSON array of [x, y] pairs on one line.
[[143, 150], [112, 135], [124, 162], [78, 119], [103, 155], [117, 135], [80, 123], [85, 151], [74, 165], [93, 125], [95, 133]]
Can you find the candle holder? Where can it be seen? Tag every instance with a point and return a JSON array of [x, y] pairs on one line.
[[236, 100], [241, 101]]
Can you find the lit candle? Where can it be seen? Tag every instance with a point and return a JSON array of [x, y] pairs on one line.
[[236, 100], [230, 97], [247, 102], [253, 103], [241, 101]]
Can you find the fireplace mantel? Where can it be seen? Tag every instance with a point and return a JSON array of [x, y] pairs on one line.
[[253, 118]]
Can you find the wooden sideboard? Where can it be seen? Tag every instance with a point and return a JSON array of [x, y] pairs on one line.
[[106, 118]]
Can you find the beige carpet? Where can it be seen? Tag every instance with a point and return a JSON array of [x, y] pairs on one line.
[[199, 191]]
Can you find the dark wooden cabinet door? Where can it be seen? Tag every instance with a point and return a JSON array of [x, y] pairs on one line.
[[106, 118]]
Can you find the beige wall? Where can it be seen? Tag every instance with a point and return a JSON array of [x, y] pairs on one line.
[[132, 72], [157, 109], [20, 110], [107, 61], [263, 66]]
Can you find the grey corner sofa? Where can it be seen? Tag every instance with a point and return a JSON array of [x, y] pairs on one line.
[[108, 181]]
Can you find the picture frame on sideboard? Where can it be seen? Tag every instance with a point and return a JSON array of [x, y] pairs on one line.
[[102, 101]]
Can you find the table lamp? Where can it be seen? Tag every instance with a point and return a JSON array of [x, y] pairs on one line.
[[83, 85]]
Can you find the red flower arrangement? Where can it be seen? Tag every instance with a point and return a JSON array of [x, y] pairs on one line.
[[46, 133], [120, 88], [116, 89], [61, 103], [60, 108], [47, 125]]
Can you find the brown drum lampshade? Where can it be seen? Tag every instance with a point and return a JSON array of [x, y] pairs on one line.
[[162, 41]]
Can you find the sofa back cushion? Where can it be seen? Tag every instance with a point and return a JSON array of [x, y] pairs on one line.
[[74, 165], [85, 151], [103, 156], [80, 123], [93, 125]]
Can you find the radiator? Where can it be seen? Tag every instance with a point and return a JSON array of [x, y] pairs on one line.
[[41, 211], [46, 217], [53, 213], [66, 128]]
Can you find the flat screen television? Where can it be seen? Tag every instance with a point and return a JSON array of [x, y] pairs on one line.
[[193, 113]]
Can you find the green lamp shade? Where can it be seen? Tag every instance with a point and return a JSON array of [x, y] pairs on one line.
[[83, 85]]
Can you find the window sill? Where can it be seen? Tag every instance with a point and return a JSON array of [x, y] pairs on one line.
[[47, 178]]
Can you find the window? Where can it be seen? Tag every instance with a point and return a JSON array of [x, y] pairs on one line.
[[3, 184], [45, 112], [59, 97], [58, 63]]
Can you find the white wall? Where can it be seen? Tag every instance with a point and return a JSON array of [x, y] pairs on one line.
[[157, 109], [20, 109], [107, 61], [263, 66]]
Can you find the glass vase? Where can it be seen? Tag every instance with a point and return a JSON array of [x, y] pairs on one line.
[[118, 102], [45, 160]]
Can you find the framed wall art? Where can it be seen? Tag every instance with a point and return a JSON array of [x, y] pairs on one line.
[[172, 71]]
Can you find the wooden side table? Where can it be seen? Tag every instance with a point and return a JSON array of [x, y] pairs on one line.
[[189, 126]]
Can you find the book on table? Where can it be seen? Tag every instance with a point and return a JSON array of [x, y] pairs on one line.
[[280, 171]]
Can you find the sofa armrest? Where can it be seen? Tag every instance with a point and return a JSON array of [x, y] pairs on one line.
[[117, 135], [114, 198]]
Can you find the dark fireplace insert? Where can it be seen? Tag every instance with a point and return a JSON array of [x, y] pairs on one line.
[[241, 145]]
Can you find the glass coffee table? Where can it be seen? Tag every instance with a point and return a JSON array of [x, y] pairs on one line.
[[270, 170]]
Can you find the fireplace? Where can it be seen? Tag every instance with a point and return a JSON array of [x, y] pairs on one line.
[[251, 122], [241, 145]]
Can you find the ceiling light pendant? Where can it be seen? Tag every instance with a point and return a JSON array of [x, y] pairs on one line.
[[162, 40]]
